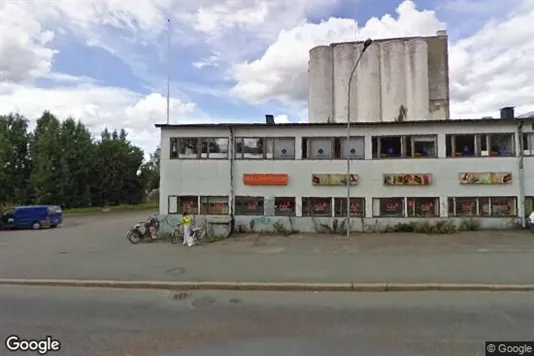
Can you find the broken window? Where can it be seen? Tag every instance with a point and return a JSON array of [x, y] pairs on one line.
[[188, 147], [250, 148]]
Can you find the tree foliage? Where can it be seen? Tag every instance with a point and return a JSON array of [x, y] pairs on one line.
[[61, 163]]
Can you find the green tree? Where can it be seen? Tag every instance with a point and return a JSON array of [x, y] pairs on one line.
[[15, 164], [48, 167], [77, 154]]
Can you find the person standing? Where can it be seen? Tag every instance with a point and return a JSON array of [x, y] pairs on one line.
[[186, 226]]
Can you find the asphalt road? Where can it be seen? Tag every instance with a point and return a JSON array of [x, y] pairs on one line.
[[95, 247], [96, 322]]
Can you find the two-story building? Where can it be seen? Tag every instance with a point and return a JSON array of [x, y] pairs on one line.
[[257, 174]]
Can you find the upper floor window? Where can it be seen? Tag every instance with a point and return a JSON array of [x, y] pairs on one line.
[[528, 143], [215, 147], [477, 145], [265, 148], [404, 146], [198, 147], [333, 148]]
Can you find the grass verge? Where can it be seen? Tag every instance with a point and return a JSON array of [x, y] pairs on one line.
[[110, 209]]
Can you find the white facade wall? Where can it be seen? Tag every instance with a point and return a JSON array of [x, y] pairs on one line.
[[212, 177]]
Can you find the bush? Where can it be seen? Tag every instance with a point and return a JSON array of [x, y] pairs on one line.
[[469, 225], [405, 227]]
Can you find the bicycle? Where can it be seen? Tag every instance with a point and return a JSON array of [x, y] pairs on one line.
[[197, 233]]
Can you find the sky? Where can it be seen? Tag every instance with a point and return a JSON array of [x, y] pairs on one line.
[[106, 62]]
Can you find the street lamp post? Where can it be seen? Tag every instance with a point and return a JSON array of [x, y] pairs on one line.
[[366, 44]]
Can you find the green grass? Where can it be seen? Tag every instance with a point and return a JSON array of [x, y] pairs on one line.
[[111, 209]]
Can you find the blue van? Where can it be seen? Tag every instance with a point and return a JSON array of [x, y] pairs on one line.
[[32, 217]]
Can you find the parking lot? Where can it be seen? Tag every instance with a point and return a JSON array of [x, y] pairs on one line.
[[95, 247]]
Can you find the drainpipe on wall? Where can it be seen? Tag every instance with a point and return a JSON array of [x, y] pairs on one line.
[[231, 147], [521, 175]]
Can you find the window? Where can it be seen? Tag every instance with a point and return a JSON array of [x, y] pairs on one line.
[[316, 206], [501, 144], [497, 144], [284, 206], [503, 206], [528, 143], [332, 148], [174, 148], [215, 205], [249, 205], [188, 147], [250, 148], [423, 207], [404, 146], [388, 207], [357, 207], [179, 204], [281, 148], [483, 206], [529, 205], [215, 148]]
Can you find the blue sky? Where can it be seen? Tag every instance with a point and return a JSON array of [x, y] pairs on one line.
[[105, 62]]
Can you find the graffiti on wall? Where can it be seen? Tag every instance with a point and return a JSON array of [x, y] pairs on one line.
[[264, 220], [333, 179], [407, 179], [485, 178]]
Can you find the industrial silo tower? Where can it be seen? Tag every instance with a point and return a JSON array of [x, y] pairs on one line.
[[398, 79]]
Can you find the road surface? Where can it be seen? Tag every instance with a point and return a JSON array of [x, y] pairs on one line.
[[95, 247], [96, 322]]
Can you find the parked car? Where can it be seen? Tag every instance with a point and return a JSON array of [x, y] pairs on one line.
[[32, 217]]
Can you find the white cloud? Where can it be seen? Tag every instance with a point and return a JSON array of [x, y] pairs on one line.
[[281, 119], [490, 69], [99, 107], [24, 54], [282, 71]]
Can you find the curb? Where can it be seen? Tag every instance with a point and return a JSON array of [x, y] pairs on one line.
[[278, 287]]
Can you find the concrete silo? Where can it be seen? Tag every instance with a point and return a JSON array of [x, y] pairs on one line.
[[392, 79], [321, 82], [399, 77], [367, 104]]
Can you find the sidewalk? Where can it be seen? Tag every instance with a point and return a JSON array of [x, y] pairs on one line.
[[479, 257]]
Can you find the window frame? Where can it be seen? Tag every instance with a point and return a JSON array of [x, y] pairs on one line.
[[313, 200], [334, 141], [267, 141], [411, 211], [407, 146], [480, 140], [294, 208], [237, 202], [341, 202], [403, 202], [206, 139], [178, 207], [528, 145], [479, 208], [208, 210]]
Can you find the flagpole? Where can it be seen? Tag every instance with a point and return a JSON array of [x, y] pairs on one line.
[[168, 67]]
